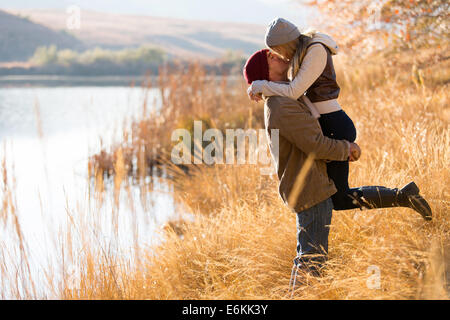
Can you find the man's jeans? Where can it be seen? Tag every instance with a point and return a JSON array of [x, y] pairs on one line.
[[313, 227]]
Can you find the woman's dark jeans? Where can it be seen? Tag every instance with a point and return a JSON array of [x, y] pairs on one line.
[[338, 125]]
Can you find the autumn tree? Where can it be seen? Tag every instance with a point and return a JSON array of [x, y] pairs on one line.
[[376, 24]]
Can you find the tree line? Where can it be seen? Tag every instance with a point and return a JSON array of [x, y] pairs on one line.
[[50, 60]]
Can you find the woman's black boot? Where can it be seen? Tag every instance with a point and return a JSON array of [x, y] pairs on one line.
[[382, 197]]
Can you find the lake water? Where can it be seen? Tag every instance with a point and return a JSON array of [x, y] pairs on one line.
[[47, 135]]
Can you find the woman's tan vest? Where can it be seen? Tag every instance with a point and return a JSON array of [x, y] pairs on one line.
[[325, 87]]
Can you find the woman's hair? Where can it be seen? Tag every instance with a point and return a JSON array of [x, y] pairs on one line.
[[294, 51]]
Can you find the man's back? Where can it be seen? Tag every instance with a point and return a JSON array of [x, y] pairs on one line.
[[300, 135]]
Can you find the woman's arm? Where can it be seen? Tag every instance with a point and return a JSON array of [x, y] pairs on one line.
[[312, 67]]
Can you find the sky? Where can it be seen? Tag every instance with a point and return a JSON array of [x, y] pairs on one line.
[[249, 11]]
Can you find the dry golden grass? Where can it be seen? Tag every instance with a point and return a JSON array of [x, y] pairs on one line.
[[241, 242]]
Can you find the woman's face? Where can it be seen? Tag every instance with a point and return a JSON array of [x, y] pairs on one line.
[[282, 52], [277, 67]]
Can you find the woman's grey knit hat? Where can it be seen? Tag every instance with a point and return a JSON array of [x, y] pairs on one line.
[[281, 31]]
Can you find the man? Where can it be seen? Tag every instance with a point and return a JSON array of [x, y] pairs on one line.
[[301, 145], [301, 139]]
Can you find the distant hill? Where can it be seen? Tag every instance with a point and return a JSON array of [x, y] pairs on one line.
[[19, 38], [181, 38]]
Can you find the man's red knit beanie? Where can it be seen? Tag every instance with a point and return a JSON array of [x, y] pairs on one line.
[[256, 67]]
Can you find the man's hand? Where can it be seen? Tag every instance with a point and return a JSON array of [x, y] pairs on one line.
[[252, 96], [355, 152]]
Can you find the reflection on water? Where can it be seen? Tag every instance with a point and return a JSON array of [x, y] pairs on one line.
[[71, 81], [48, 134]]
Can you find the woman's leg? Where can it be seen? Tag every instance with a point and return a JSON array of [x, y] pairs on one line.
[[338, 171], [374, 197], [338, 125]]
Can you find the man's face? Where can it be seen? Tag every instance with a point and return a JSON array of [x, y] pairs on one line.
[[277, 67]]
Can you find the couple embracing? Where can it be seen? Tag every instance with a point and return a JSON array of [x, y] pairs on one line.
[[295, 77]]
